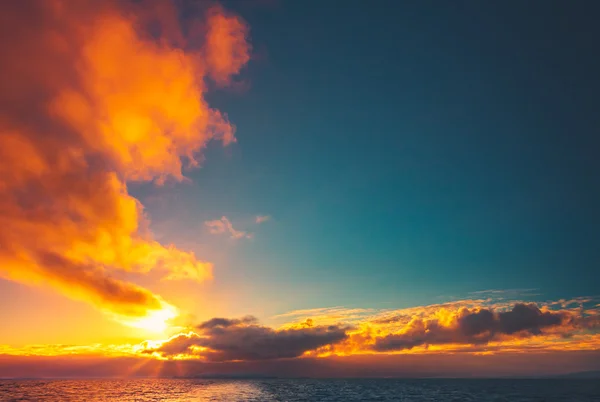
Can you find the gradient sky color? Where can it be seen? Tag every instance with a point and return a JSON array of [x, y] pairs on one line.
[[388, 156], [410, 151]]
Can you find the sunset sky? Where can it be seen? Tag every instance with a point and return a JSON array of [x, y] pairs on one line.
[[299, 188]]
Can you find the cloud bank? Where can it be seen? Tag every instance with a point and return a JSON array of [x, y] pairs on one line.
[[426, 329], [92, 100], [473, 327], [221, 339], [459, 338]]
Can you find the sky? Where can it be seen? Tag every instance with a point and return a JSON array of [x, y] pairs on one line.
[[391, 189]]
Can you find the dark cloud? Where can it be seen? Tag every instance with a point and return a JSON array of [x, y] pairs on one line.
[[227, 322], [527, 317], [243, 339], [475, 327]]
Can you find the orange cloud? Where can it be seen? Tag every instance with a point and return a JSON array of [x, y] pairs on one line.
[[470, 326], [479, 326], [226, 49], [91, 101], [437, 330], [466, 326]]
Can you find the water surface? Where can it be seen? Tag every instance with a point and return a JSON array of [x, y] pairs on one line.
[[176, 390]]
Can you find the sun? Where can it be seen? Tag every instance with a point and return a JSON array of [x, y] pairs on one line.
[[155, 321]]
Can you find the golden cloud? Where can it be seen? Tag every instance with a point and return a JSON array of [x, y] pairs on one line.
[[442, 329], [90, 101], [468, 326]]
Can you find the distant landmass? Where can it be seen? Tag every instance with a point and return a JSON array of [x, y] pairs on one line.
[[581, 374], [249, 376], [592, 374]]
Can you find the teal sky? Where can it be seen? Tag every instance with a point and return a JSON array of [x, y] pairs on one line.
[[407, 154]]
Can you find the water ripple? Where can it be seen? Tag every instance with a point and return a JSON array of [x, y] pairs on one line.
[[177, 390]]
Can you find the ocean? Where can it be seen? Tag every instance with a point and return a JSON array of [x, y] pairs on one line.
[[176, 390]]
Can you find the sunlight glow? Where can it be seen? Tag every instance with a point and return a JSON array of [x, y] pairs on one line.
[[155, 321]]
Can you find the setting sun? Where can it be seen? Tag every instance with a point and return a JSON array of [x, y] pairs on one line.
[[155, 321]]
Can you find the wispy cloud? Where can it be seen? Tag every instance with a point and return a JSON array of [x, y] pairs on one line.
[[262, 219], [224, 226], [329, 315], [506, 293]]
